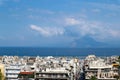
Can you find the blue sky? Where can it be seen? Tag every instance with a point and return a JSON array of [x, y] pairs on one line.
[[60, 23]]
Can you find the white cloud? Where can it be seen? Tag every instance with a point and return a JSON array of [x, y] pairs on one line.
[[48, 31], [71, 21], [41, 11], [98, 31], [115, 33], [96, 10], [106, 6], [4, 1]]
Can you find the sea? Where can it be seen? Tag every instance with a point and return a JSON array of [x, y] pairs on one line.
[[38, 51]]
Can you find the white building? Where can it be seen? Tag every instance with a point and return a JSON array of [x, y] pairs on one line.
[[12, 72], [101, 70]]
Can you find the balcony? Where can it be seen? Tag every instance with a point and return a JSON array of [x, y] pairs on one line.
[[13, 72]]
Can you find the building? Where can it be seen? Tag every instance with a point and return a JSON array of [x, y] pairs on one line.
[[12, 72], [26, 76], [100, 69], [52, 76], [44, 68]]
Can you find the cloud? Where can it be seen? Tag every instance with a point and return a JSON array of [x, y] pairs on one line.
[[106, 6], [96, 10], [4, 1], [97, 30], [41, 11], [48, 31], [72, 21], [114, 33]]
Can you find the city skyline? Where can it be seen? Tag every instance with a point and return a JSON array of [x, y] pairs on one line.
[[60, 23]]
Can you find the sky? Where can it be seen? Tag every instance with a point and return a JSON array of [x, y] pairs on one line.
[[60, 23]]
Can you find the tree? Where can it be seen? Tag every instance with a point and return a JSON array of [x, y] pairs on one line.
[[93, 78], [118, 78], [119, 59], [1, 75]]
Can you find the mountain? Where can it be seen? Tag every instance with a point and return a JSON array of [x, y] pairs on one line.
[[88, 42]]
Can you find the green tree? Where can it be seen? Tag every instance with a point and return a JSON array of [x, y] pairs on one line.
[[119, 68], [1, 75], [93, 78], [119, 59]]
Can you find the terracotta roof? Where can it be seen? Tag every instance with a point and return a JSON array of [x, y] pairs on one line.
[[26, 72]]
